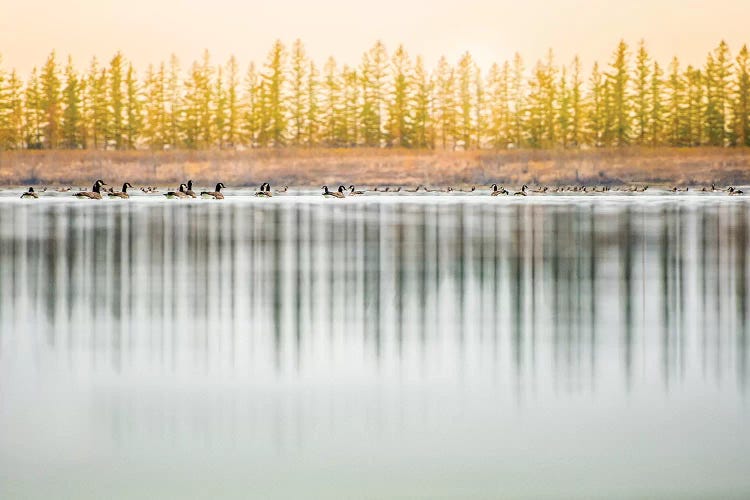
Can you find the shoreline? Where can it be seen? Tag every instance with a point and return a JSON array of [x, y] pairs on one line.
[[315, 167]]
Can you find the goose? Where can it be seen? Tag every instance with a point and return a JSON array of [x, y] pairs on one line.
[[177, 194], [540, 190], [496, 191], [397, 190], [522, 192], [216, 195], [63, 189], [282, 189], [734, 192], [473, 188], [94, 194], [264, 191], [352, 191], [413, 190], [30, 194], [189, 190], [332, 194], [122, 194]]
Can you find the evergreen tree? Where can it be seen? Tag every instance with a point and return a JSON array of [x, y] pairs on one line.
[[576, 105], [618, 80], [234, 110], [116, 101], [718, 73], [51, 102], [518, 111], [642, 104], [677, 129], [133, 109], [498, 91], [597, 125], [313, 106], [274, 81], [399, 106], [445, 106], [298, 92], [742, 98], [657, 106], [696, 107], [373, 74], [422, 130], [72, 137], [34, 115]]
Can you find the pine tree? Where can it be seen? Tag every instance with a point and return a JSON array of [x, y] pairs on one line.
[[252, 107], [696, 105], [577, 105], [498, 90], [133, 109], [116, 101], [234, 109], [12, 133], [274, 86], [71, 120], [445, 106], [422, 133], [298, 94], [34, 115], [565, 112], [155, 126], [51, 102], [373, 73], [518, 92], [619, 94], [597, 126], [175, 104], [333, 123], [399, 105], [657, 106], [677, 129], [742, 98], [350, 97], [642, 104], [313, 106], [718, 74], [219, 110]]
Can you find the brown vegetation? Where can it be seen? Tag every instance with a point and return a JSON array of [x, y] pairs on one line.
[[314, 167]]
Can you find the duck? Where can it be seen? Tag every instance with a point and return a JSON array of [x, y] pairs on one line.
[[498, 192], [264, 191], [122, 194], [30, 194], [189, 190], [734, 192], [216, 195], [332, 194], [353, 192], [522, 192], [94, 194], [180, 194]]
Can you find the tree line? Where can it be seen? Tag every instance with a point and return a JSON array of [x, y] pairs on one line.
[[387, 100]]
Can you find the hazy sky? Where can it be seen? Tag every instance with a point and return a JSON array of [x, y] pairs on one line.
[[149, 30]]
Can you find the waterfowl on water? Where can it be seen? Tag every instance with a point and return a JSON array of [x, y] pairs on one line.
[[352, 191], [541, 190], [264, 191], [189, 190], [30, 194], [522, 192], [180, 194], [332, 194], [498, 192], [473, 188], [282, 189], [94, 194], [122, 194], [414, 190], [216, 195], [734, 192]]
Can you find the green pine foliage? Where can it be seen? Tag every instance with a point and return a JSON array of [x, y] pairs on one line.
[[387, 100]]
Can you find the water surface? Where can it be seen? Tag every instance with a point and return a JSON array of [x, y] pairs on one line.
[[385, 347]]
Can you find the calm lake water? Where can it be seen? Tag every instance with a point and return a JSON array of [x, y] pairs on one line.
[[388, 347]]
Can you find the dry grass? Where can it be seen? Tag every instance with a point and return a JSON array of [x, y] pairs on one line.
[[314, 167]]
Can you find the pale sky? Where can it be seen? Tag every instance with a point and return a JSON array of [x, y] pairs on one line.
[[148, 31]]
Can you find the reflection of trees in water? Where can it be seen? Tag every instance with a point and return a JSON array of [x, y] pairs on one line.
[[545, 291]]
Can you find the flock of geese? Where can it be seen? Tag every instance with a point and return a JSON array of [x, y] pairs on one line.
[[186, 191]]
